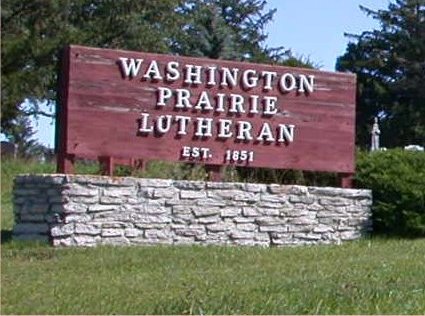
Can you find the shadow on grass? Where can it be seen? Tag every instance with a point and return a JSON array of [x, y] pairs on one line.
[[6, 236]]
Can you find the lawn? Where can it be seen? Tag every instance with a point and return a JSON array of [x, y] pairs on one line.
[[370, 276], [366, 277]]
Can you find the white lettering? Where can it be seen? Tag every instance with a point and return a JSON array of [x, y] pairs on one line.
[[160, 128], [204, 127], [287, 82], [183, 96], [266, 132], [211, 76], [182, 124], [229, 78], [306, 84], [132, 68], [244, 130], [153, 70], [286, 133], [270, 105], [164, 94], [268, 78], [249, 79], [219, 107], [224, 128], [253, 104], [172, 71], [193, 74], [236, 103], [143, 127], [204, 102]]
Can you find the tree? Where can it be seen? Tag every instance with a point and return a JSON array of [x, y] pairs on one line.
[[34, 31], [390, 68], [227, 29]]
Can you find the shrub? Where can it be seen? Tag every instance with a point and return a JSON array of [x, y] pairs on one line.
[[397, 181]]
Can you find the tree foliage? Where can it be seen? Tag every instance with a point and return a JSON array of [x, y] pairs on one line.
[[390, 67], [34, 31]]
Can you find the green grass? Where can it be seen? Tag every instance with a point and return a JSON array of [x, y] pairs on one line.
[[376, 276], [365, 277]]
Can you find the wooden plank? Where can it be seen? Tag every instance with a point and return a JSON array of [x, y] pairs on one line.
[[106, 165], [105, 113]]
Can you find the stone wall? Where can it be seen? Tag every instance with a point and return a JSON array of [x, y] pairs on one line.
[[81, 210]]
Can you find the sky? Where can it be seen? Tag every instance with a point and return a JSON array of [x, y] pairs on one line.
[[312, 29]]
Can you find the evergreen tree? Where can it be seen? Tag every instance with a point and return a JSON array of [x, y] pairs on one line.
[[227, 29], [390, 68]]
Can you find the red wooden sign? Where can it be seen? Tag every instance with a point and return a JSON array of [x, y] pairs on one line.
[[127, 105]]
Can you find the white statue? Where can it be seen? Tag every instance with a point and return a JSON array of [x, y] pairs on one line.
[[375, 136]]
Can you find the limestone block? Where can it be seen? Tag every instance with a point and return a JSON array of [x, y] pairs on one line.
[[224, 185], [307, 236], [250, 212], [77, 218], [230, 212], [206, 211], [167, 193], [101, 208], [75, 189], [62, 230], [270, 221], [300, 228], [273, 198], [255, 188], [155, 209], [112, 232], [246, 227], [247, 197], [208, 220], [158, 234], [113, 216], [219, 227], [189, 185], [273, 229], [132, 232], [151, 219], [334, 201], [243, 219], [242, 235], [320, 228], [224, 194], [86, 229], [304, 199], [154, 183], [185, 194], [210, 202], [190, 230], [111, 200], [119, 192], [278, 205], [302, 221]]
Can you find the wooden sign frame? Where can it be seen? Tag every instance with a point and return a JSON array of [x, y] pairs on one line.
[[127, 107]]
